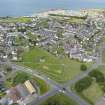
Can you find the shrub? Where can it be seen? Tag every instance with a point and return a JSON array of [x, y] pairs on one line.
[[83, 67]]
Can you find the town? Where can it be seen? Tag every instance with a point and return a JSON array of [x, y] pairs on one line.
[[52, 52]]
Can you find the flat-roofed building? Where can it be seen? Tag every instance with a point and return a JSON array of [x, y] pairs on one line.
[[30, 87]]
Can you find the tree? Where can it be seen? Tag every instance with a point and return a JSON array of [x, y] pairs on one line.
[[20, 77], [8, 68], [98, 75], [83, 84], [22, 30], [83, 67], [102, 85]]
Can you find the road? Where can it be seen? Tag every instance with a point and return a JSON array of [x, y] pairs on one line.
[[44, 97], [79, 77], [56, 87]]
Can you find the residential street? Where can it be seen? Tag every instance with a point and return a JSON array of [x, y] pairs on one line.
[[56, 87], [57, 52]]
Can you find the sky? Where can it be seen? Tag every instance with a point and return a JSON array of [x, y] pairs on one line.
[[99, 1], [73, 4], [25, 7]]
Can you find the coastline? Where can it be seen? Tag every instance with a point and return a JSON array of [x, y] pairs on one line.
[[67, 12]]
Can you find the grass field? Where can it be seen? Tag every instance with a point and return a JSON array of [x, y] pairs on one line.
[[103, 58], [60, 99], [13, 20], [59, 69], [75, 20], [102, 69], [93, 93]]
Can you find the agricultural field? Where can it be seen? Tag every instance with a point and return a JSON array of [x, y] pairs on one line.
[[68, 19], [55, 68]]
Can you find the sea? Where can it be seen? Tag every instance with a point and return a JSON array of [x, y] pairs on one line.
[[29, 7]]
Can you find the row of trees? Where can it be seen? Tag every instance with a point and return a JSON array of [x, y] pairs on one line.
[[83, 84], [87, 81], [99, 77]]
